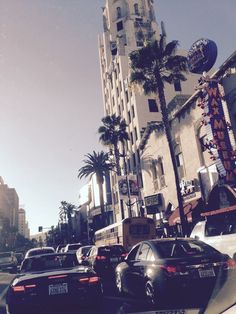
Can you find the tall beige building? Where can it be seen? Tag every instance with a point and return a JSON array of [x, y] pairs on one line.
[[23, 227], [127, 24], [9, 204]]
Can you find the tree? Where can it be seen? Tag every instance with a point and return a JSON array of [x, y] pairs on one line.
[[68, 209], [152, 66], [112, 132], [97, 163]]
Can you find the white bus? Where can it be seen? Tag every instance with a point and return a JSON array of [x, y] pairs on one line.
[[128, 232]]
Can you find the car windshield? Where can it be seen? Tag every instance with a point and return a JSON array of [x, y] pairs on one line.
[[48, 262], [178, 248]]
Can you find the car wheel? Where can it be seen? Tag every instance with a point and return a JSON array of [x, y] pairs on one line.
[[119, 283], [150, 293]]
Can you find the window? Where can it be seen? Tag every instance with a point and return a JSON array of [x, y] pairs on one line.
[[180, 165], [133, 253], [136, 10], [133, 112], [135, 133], [118, 12], [129, 117], [122, 104], [142, 256], [177, 86], [134, 160], [152, 105], [132, 138], [203, 141], [119, 26], [150, 256], [127, 96]]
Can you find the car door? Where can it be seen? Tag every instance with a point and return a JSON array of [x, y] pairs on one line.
[[136, 272]]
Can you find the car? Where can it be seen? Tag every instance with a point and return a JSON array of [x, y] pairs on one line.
[[222, 239], [20, 257], [72, 247], [82, 252], [8, 262], [60, 247], [171, 268], [39, 250], [53, 281], [103, 259]]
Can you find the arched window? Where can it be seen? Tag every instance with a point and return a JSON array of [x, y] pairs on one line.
[[136, 10], [118, 12]]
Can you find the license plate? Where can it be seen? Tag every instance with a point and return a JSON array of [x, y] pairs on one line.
[[114, 259], [206, 272], [61, 288]]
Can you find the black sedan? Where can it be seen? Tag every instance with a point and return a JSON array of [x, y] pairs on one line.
[[167, 270], [51, 282]]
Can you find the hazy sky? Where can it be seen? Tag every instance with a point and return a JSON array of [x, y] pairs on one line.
[[50, 90]]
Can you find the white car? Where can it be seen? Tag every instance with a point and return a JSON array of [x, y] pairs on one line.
[[222, 240], [72, 247]]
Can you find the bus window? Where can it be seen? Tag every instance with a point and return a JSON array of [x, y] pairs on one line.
[[137, 229]]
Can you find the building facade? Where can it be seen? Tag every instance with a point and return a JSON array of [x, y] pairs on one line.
[[197, 167], [9, 205], [23, 227], [127, 25]]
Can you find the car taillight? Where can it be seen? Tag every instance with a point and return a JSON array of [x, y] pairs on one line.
[[89, 280], [169, 269], [100, 257], [124, 254], [231, 263], [22, 288]]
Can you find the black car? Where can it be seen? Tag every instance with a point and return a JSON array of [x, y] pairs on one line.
[[8, 262], [51, 282], [171, 269], [104, 259]]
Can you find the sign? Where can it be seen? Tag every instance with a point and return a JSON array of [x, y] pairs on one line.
[[128, 187], [220, 142], [152, 202], [202, 56]]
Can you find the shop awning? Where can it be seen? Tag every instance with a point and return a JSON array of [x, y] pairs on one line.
[[188, 209], [219, 211]]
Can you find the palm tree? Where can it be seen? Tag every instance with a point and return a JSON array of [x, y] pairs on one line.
[[152, 66], [68, 210], [112, 132], [98, 164]]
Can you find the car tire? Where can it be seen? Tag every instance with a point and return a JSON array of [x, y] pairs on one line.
[[150, 293], [119, 287]]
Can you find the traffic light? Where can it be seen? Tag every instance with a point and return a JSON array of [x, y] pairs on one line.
[[40, 228]]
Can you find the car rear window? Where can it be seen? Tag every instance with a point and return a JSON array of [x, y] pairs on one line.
[[2, 255], [74, 246], [85, 249], [38, 252], [178, 249], [111, 250]]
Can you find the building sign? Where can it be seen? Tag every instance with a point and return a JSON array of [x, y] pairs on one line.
[[202, 56], [128, 187], [152, 202], [219, 146]]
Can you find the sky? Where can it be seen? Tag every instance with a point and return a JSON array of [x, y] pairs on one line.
[[50, 90]]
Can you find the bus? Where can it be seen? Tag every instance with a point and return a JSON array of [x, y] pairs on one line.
[[128, 232]]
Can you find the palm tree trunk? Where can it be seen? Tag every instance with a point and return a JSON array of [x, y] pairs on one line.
[[166, 123], [117, 158], [101, 199]]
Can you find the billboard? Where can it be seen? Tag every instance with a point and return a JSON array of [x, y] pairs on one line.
[[128, 187]]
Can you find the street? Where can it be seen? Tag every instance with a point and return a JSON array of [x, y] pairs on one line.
[[114, 304]]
